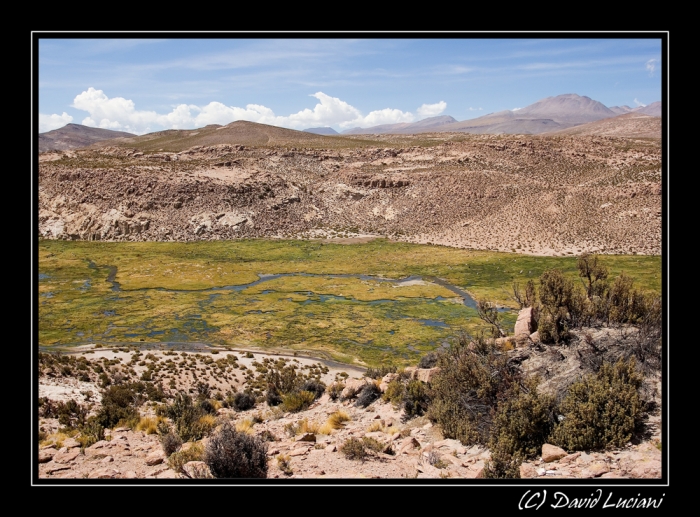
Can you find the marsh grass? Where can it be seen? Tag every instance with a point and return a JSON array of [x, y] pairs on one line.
[[162, 293]]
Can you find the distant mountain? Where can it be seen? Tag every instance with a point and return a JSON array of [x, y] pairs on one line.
[[328, 131], [545, 115], [75, 136], [653, 109], [427, 124], [621, 110]]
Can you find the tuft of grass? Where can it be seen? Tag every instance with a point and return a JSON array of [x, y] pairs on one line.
[[177, 460], [149, 425], [375, 426], [284, 464], [245, 426], [335, 421]]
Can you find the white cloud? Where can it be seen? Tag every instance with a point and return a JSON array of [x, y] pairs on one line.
[[115, 113], [119, 113], [651, 66], [639, 104], [431, 110], [516, 109], [479, 109], [49, 122]]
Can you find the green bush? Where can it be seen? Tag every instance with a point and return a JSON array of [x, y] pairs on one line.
[[523, 421], [233, 454], [298, 401], [187, 418], [415, 399], [119, 405], [394, 392], [601, 410], [474, 376]]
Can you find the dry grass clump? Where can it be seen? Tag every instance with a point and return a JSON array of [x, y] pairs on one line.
[[335, 421], [148, 424]]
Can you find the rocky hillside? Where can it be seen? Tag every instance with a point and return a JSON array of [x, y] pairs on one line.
[[536, 195], [344, 433]]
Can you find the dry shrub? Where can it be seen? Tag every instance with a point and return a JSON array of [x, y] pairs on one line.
[[231, 454]]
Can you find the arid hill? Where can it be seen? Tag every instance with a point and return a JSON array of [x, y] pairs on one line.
[[75, 136], [240, 132], [629, 125], [537, 195]]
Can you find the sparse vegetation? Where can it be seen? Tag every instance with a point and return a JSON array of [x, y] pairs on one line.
[[231, 454]]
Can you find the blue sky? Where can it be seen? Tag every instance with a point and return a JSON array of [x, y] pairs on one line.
[[151, 84]]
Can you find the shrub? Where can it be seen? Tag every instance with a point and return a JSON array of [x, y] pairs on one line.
[[523, 422], [429, 360], [314, 386], [415, 399], [91, 433], [394, 392], [272, 396], [177, 460], [357, 449], [601, 410], [335, 389], [284, 464], [186, 417], [368, 394], [378, 373], [230, 454], [353, 449], [243, 401], [119, 403], [171, 443], [473, 377], [298, 401]]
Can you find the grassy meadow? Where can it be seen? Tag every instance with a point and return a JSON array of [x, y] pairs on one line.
[[118, 293]]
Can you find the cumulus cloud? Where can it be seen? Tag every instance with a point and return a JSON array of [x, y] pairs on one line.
[[651, 66], [50, 122], [639, 104], [479, 109], [115, 113], [431, 110], [516, 109], [119, 113]]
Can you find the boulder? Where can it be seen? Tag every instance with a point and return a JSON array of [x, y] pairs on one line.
[[523, 326], [552, 453]]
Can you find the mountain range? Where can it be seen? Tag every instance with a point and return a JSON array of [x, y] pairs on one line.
[[549, 115]]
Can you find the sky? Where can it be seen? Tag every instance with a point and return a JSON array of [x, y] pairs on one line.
[[142, 83]]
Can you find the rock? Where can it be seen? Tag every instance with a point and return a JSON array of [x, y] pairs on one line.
[[552, 453], [71, 443], [46, 455], [104, 473], [155, 458], [352, 387], [197, 470], [535, 337], [598, 468], [306, 437], [528, 471], [523, 326], [425, 374], [65, 456]]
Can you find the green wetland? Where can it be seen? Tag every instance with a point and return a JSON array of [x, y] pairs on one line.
[[377, 302]]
